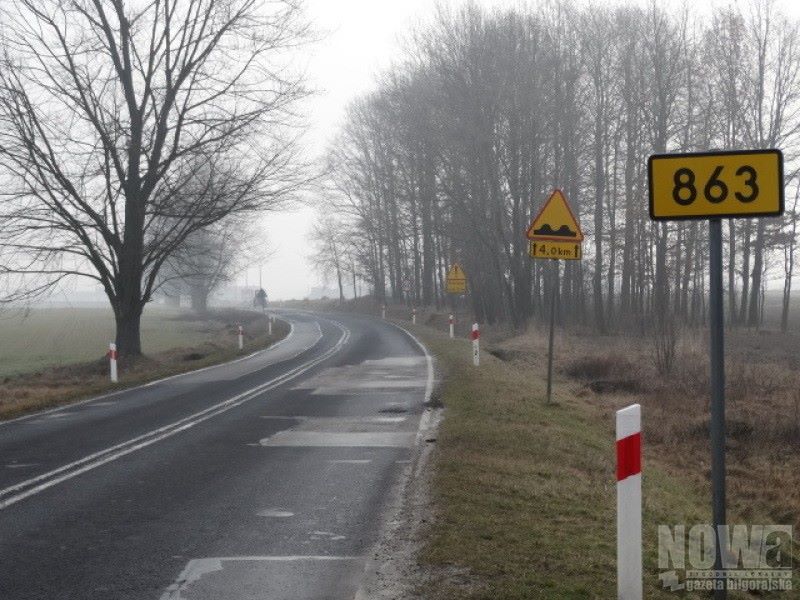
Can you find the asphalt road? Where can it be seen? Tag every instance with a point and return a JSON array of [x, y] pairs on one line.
[[266, 478]]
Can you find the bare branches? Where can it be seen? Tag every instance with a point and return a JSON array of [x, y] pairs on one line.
[[452, 154], [134, 125]]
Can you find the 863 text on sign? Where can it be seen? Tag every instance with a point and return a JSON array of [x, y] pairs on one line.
[[716, 184]]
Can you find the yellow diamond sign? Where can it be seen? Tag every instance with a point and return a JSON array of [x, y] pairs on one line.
[[456, 280]]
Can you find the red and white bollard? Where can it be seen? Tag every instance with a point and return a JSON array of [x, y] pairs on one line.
[[452, 328], [383, 311], [413, 316], [476, 345], [629, 503], [112, 361], [241, 338]]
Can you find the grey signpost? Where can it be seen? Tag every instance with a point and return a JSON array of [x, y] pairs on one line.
[[717, 347], [553, 300]]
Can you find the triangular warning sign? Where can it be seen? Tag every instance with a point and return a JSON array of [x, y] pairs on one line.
[[555, 221]]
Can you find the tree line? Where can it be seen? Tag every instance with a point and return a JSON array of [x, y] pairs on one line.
[[462, 140]]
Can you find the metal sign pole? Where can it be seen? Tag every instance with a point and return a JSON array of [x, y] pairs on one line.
[[717, 323], [553, 300]]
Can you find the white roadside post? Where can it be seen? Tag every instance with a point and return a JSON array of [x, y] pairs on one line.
[[241, 338], [476, 345], [452, 329], [269, 325], [383, 312], [629, 503], [112, 360], [413, 316]]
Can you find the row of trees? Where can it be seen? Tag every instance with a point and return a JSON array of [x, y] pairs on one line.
[[454, 152], [131, 132]]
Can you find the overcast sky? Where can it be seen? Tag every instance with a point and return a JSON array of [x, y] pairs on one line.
[[360, 38]]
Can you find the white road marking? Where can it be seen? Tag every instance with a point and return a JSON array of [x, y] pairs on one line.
[[21, 465], [35, 485], [276, 513], [327, 439], [386, 419], [199, 567], [350, 461], [315, 535]]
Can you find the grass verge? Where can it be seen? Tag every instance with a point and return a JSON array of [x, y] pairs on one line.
[[59, 385], [524, 492]]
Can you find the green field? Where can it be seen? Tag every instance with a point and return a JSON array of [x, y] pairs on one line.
[[40, 338]]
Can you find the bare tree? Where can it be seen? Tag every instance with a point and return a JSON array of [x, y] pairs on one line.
[[331, 250], [209, 258], [107, 108]]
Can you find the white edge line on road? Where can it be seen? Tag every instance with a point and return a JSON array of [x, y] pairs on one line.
[[144, 385], [102, 457]]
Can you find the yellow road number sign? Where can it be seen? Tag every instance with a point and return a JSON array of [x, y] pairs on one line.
[[716, 184]]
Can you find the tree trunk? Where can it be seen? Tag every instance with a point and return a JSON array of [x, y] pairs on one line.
[[128, 338], [754, 314], [732, 307], [199, 299], [745, 271], [340, 282]]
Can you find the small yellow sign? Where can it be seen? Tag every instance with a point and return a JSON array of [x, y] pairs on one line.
[[456, 280], [555, 221], [716, 184], [556, 250]]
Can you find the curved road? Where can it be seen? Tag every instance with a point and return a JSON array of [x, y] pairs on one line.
[[265, 478]]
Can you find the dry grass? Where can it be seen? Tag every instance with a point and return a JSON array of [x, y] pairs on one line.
[[56, 385], [524, 492], [763, 408]]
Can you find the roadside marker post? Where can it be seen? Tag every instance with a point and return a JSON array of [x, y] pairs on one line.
[[629, 503], [712, 186], [413, 316], [452, 328], [554, 234], [241, 338], [269, 325], [112, 361], [476, 345], [383, 312]]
